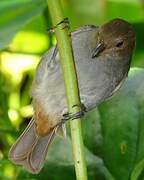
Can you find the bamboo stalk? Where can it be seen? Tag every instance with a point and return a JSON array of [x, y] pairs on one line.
[[71, 86]]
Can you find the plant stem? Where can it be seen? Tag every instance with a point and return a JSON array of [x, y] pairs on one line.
[[71, 86]]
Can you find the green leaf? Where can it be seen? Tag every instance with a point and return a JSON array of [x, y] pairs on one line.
[[122, 127], [97, 12], [14, 15], [92, 134], [129, 10], [139, 88]]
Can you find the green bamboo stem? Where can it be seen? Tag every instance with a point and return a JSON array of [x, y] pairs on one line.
[[71, 86]]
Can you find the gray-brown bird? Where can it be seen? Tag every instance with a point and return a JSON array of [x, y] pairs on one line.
[[102, 57]]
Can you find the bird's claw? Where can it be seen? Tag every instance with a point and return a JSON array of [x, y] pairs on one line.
[[72, 116], [66, 23]]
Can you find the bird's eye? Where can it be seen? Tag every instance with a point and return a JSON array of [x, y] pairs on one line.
[[119, 44]]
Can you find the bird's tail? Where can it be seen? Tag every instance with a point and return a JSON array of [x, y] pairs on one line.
[[30, 150]]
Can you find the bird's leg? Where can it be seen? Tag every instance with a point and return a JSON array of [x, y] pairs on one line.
[[66, 23], [72, 116], [54, 53]]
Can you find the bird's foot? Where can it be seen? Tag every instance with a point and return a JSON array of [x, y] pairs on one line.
[[72, 116], [65, 22]]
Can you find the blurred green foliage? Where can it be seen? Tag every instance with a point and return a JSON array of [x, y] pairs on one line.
[[113, 132]]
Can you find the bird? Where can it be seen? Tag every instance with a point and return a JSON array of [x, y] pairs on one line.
[[102, 57]]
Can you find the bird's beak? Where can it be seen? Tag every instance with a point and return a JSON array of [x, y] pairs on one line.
[[99, 48]]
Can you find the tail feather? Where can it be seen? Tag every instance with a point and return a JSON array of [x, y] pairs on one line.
[[38, 154], [24, 143], [30, 150]]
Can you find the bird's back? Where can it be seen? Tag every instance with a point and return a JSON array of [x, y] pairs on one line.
[[97, 77]]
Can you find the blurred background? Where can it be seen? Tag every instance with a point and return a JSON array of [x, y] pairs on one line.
[[113, 150]]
